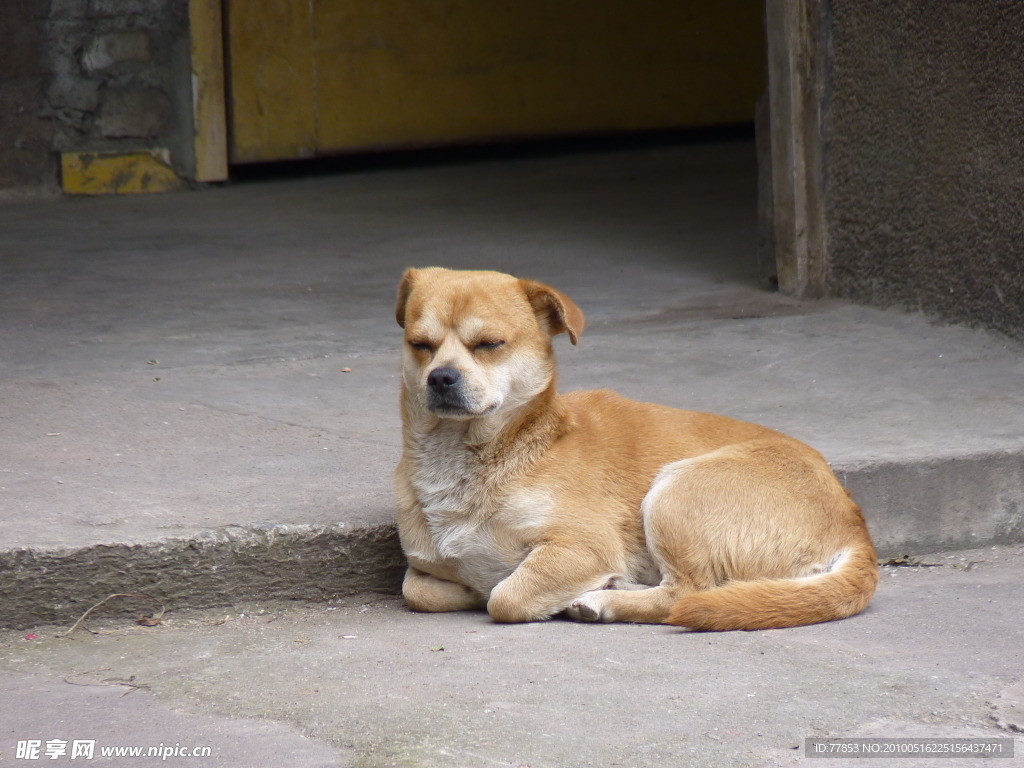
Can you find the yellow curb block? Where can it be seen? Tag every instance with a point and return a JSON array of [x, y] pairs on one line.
[[118, 173]]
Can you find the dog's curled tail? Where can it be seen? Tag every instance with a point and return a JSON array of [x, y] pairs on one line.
[[842, 591]]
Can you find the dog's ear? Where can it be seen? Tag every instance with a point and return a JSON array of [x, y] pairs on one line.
[[404, 289], [555, 311]]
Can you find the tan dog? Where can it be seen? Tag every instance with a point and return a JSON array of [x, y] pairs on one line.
[[530, 503]]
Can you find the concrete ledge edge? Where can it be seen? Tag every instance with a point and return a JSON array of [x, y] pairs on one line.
[[912, 507], [211, 569], [941, 503]]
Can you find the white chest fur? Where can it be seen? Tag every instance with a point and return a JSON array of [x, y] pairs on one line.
[[473, 520], [448, 478]]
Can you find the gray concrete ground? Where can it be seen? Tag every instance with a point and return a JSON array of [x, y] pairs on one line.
[[198, 403], [938, 654]]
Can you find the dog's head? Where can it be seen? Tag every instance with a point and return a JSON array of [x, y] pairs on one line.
[[479, 343]]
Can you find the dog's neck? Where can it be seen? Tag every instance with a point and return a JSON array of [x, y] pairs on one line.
[[520, 433]]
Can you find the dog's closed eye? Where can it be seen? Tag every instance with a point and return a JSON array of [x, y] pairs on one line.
[[488, 345]]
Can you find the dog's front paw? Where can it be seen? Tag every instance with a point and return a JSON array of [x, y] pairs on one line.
[[589, 607]]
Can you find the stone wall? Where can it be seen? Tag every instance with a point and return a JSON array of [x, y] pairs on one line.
[[94, 76], [27, 164], [923, 131]]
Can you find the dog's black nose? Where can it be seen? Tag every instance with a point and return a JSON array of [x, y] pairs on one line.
[[442, 379]]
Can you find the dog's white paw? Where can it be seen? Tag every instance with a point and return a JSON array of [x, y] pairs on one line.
[[590, 606]]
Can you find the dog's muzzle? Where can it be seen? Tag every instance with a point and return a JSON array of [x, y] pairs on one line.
[[445, 390]]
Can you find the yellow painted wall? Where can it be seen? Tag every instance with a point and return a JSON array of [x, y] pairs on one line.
[[323, 76]]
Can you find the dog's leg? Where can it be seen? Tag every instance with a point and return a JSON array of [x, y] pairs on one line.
[[545, 583], [668, 546], [643, 606], [423, 592]]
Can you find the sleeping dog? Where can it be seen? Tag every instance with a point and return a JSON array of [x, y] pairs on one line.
[[530, 503]]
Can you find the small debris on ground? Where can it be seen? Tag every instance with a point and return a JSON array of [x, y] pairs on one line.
[[908, 561]]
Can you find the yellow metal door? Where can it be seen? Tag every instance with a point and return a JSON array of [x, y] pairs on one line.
[[313, 77]]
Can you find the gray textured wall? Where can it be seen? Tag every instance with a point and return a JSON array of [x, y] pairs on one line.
[[924, 156], [27, 166], [91, 75]]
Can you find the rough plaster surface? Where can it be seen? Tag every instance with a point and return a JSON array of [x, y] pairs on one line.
[[924, 172], [27, 167]]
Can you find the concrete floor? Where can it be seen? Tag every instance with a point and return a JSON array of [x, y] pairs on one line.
[[938, 654], [199, 389]]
